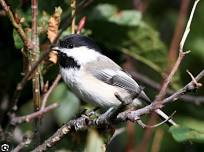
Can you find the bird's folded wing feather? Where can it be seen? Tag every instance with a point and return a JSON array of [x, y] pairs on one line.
[[111, 73]]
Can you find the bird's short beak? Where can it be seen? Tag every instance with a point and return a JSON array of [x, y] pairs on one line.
[[53, 55], [56, 48]]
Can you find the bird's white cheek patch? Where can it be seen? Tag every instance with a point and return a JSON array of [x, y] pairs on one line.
[[70, 76]]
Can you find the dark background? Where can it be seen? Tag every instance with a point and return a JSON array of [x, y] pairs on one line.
[[147, 41]]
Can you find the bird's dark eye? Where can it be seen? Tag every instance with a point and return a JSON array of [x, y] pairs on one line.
[[70, 46]]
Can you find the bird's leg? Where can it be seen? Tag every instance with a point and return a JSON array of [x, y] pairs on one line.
[[88, 113], [92, 112], [106, 117], [112, 112]]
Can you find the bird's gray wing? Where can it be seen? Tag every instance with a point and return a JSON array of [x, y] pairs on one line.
[[111, 73]]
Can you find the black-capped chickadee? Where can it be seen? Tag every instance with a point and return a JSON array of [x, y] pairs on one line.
[[95, 78]]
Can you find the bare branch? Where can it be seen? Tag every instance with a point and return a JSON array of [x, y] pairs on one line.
[[134, 115], [179, 29], [168, 79], [29, 117], [187, 30], [82, 123], [16, 25], [73, 7], [77, 124], [156, 125], [25, 142], [46, 96], [155, 85], [193, 79], [35, 56]]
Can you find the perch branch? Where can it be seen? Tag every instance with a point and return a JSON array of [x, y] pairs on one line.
[[134, 115], [82, 123]]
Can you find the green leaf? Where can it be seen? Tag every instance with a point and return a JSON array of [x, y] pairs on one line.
[[127, 17], [191, 123], [110, 13], [147, 44], [141, 42], [103, 11], [69, 103], [134, 37], [189, 129], [143, 60], [17, 40], [94, 142], [197, 47], [182, 134]]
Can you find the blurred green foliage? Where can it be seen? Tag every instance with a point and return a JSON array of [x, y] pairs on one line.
[[124, 30]]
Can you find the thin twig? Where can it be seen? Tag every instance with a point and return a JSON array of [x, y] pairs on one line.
[[193, 79], [29, 117], [133, 115], [73, 8], [155, 85], [187, 30], [156, 125], [168, 79], [24, 80], [45, 97], [24, 143], [180, 26], [16, 25]]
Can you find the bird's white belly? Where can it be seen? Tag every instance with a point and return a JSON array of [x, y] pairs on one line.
[[92, 90], [100, 93]]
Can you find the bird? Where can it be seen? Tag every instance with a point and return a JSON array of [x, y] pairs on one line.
[[94, 77]]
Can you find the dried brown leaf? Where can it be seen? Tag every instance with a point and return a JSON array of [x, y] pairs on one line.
[[53, 56], [53, 25]]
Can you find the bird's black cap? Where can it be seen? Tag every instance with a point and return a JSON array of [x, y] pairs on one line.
[[76, 40]]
